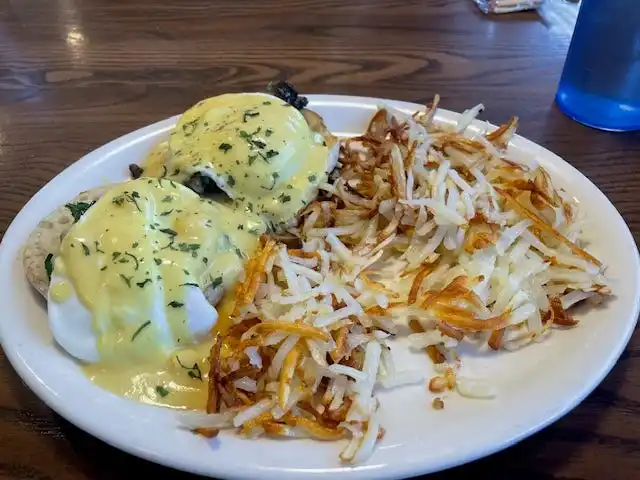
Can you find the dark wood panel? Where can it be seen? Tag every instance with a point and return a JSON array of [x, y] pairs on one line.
[[75, 74]]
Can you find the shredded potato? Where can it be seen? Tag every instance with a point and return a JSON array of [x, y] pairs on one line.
[[419, 227]]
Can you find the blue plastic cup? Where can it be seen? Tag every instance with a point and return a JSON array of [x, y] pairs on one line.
[[600, 84]]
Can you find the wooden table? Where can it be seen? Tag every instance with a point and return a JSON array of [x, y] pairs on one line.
[[75, 74]]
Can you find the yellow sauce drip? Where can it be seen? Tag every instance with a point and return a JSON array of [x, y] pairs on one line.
[[181, 385], [155, 164], [132, 259], [60, 291], [225, 308]]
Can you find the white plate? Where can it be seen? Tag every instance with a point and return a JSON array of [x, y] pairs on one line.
[[536, 385]]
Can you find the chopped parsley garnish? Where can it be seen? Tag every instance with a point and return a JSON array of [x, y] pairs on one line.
[[143, 283], [126, 279], [135, 259], [189, 284], [169, 246], [284, 198], [85, 249], [190, 127], [48, 265], [205, 260], [249, 114], [270, 154], [251, 141], [175, 304], [239, 253], [193, 372], [168, 231], [312, 178], [115, 255], [231, 181], [254, 231], [216, 282], [268, 132], [225, 147], [167, 198], [140, 329], [77, 209], [189, 247], [98, 249], [252, 158], [166, 212], [129, 197], [158, 261], [134, 245], [266, 102], [162, 391], [102, 269]]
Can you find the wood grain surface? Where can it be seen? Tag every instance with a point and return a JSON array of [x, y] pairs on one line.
[[75, 74]]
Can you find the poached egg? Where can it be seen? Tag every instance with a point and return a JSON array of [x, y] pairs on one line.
[[127, 293], [258, 149]]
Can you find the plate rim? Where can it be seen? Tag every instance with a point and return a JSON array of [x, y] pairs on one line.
[[92, 159]]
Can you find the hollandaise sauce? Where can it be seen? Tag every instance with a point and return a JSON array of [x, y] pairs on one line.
[[257, 148], [145, 262]]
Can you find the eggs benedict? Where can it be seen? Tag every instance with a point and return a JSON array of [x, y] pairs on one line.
[[263, 153], [134, 283], [138, 274]]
